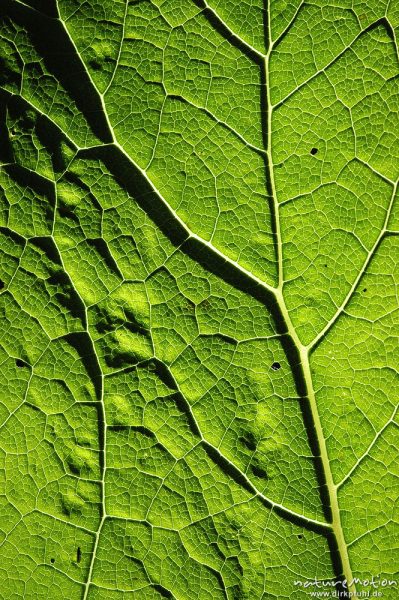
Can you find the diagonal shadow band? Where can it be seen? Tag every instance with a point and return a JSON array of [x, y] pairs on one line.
[[52, 44]]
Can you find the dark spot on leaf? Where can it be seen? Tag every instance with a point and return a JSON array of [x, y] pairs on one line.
[[163, 592], [78, 554], [8, 73], [276, 366], [314, 151], [2, 284], [227, 338], [20, 363], [249, 440], [95, 65], [28, 120], [52, 560], [259, 472], [300, 536], [364, 289]]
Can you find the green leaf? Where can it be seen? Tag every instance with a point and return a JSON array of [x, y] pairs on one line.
[[199, 262]]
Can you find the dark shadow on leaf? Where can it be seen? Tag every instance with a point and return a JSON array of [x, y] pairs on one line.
[[249, 440], [162, 591], [67, 295], [53, 140], [21, 364], [13, 235], [220, 27], [259, 472], [103, 251], [165, 376], [49, 134], [52, 43], [83, 345], [133, 181], [47, 7], [6, 153], [337, 567], [40, 186]]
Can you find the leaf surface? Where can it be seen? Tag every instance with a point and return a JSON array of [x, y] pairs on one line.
[[199, 298]]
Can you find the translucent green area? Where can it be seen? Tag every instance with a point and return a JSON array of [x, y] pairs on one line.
[[198, 290]]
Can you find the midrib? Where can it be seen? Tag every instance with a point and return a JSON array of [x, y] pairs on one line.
[[303, 351], [331, 487], [332, 490]]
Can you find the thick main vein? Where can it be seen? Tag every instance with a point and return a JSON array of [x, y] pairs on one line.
[[302, 350]]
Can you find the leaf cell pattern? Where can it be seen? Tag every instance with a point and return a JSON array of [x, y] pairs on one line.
[[199, 270]]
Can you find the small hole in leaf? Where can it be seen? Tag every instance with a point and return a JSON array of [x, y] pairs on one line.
[[52, 560], [20, 363], [2, 284], [364, 289], [78, 555], [314, 151], [300, 536], [276, 366], [325, 265]]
